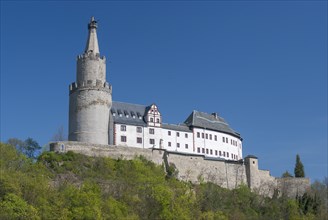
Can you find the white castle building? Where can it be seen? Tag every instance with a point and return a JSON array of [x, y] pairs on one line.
[[94, 118]]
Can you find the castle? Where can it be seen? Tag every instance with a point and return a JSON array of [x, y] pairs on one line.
[[202, 148]]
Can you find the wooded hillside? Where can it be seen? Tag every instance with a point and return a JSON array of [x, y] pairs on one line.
[[74, 186]]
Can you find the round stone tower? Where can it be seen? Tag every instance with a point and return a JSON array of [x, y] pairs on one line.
[[90, 97]]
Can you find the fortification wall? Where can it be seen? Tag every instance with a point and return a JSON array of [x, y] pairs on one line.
[[196, 168]]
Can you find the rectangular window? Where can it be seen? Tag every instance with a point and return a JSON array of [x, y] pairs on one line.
[[178, 134], [210, 137], [206, 151], [227, 154], [203, 150], [186, 135], [123, 138], [216, 152], [206, 136], [157, 120], [227, 141], [178, 145], [123, 128], [139, 129], [169, 133], [202, 135], [215, 137], [231, 141], [224, 153], [220, 153], [139, 140], [151, 131], [186, 146], [169, 144], [198, 134], [198, 149], [223, 139], [211, 152], [152, 141]]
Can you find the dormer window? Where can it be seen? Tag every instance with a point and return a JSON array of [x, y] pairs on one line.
[[153, 116]]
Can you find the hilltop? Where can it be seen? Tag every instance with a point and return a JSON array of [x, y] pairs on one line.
[[75, 186]]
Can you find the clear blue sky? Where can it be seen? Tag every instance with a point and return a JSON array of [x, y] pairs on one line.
[[262, 65]]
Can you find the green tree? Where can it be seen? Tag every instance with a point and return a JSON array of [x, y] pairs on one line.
[[286, 174], [29, 147], [299, 168]]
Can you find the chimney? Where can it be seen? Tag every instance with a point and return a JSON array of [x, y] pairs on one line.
[[215, 115]]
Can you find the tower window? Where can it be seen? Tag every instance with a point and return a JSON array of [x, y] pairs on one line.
[[157, 120]]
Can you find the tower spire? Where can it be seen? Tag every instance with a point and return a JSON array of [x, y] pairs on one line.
[[92, 43]]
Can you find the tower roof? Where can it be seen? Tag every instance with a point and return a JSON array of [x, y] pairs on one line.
[[210, 121], [92, 43]]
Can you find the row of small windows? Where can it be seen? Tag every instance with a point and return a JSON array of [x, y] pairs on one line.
[[224, 139], [207, 136], [139, 140], [221, 153], [178, 134], [126, 113], [152, 120], [152, 131], [178, 145], [208, 151]]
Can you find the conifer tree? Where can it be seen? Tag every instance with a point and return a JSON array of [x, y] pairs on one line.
[[299, 168]]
